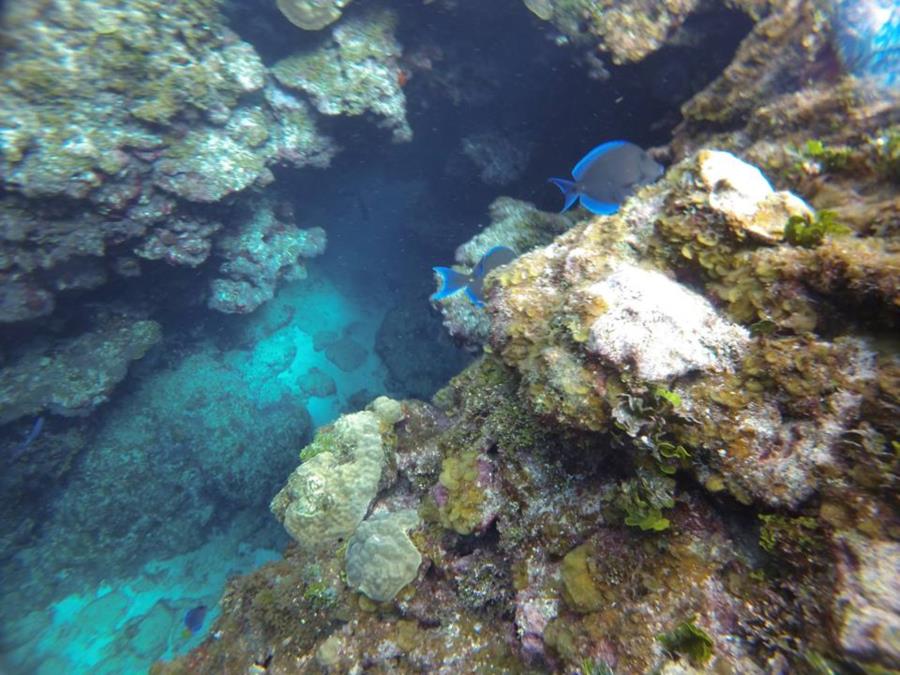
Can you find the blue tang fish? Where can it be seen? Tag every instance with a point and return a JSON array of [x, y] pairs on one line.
[[193, 619], [607, 175], [453, 281]]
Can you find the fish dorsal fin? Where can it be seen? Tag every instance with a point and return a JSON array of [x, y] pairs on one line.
[[589, 158]]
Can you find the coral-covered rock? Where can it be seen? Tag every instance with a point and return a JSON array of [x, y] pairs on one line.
[[77, 375], [122, 125], [658, 329], [515, 224], [466, 493], [353, 72], [705, 344], [259, 250], [196, 424], [180, 242], [745, 198], [212, 161], [867, 599], [629, 30], [329, 494]]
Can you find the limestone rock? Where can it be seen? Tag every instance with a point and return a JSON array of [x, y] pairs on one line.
[[659, 328]]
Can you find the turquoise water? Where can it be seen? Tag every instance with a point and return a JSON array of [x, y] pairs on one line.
[[122, 623]]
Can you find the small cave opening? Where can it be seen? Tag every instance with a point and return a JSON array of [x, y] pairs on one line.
[[494, 112]]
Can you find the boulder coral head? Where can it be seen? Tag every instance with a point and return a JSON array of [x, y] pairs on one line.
[[381, 558]]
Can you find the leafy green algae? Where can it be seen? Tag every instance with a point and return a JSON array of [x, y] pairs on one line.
[[689, 640], [810, 232]]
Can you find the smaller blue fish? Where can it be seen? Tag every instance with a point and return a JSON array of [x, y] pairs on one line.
[[607, 175], [453, 281], [193, 619]]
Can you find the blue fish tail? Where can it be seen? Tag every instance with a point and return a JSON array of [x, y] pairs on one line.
[[451, 281], [567, 187]]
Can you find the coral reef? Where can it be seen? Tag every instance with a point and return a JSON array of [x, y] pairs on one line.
[[515, 224], [679, 450], [329, 494], [353, 72], [627, 30], [116, 129], [195, 425], [259, 250], [381, 558], [74, 376]]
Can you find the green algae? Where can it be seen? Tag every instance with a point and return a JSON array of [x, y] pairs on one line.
[[326, 440], [793, 537], [811, 231], [594, 667], [832, 158], [641, 501], [687, 639]]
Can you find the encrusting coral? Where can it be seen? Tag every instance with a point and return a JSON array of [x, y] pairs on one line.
[[329, 494], [353, 72]]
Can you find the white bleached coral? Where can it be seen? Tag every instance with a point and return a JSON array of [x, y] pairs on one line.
[[741, 193], [312, 14], [659, 328]]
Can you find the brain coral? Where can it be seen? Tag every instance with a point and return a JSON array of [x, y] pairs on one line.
[[328, 495], [381, 559]]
